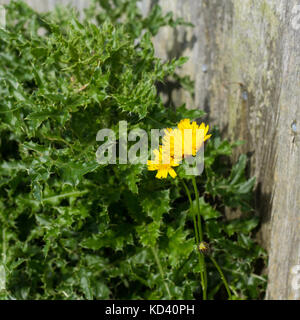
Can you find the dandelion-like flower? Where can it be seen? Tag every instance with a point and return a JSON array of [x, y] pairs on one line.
[[187, 139], [178, 143], [163, 163]]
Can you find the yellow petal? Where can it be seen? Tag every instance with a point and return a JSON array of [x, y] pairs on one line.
[[158, 175], [164, 173], [207, 137], [206, 129], [202, 126], [172, 173]]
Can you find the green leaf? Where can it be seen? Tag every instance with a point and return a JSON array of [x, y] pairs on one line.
[[206, 210], [37, 190], [149, 233], [156, 204], [241, 226], [179, 246], [238, 169], [191, 114], [247, 186], [86, 287], [94, 243], [73, 172]]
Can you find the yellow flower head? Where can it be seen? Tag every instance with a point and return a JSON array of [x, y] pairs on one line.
[[163, 163], [183, 141], [186, 139], [173, 140]]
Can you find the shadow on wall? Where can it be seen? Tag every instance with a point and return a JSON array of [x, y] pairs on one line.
[[175, 85]]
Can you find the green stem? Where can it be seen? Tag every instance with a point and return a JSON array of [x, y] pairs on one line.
[[198, 208], [65, 195], [203, 265], [161, 271], [192, 209], [222, 277], [200, 257]]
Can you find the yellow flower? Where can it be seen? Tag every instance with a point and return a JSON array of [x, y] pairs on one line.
[[163, 163], [181, 146], [171, 140], [183, 141]]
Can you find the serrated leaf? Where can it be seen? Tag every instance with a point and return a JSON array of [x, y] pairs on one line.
[[156, 204], [149, 233], [73, 172]]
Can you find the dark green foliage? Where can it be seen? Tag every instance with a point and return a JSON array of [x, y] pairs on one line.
[[73, 229]]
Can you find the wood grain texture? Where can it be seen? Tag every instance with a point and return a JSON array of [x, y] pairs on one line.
[[245, 60]]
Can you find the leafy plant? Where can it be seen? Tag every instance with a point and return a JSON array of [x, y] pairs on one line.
[[74, 229]]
